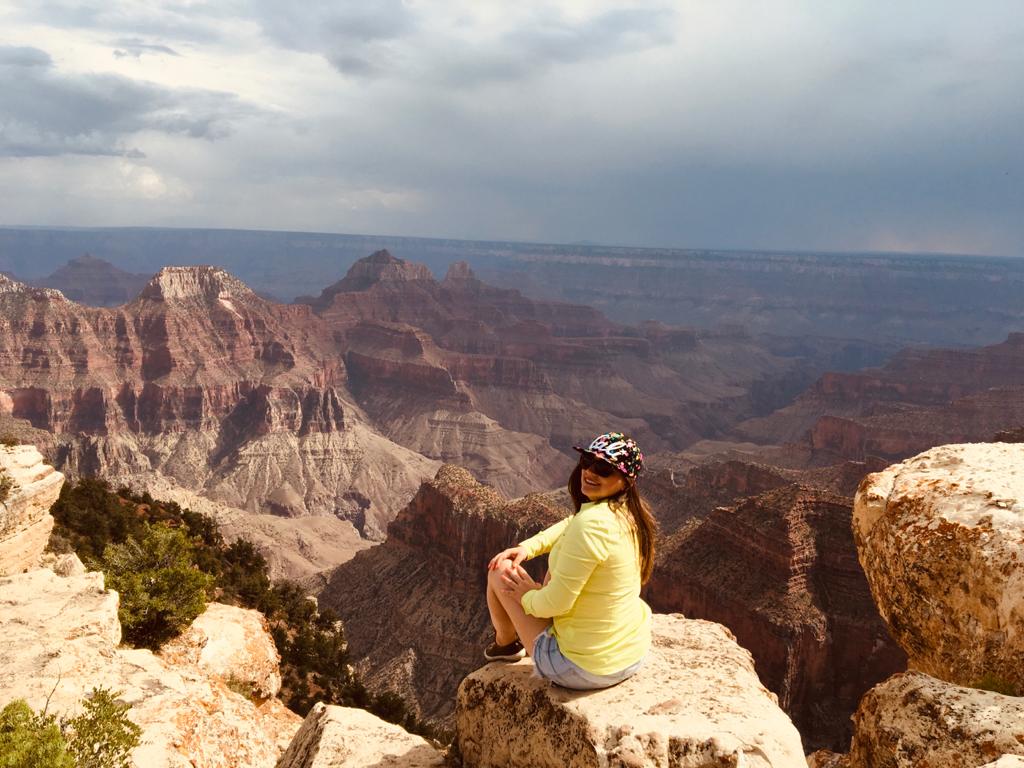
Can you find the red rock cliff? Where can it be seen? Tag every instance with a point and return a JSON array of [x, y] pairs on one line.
[[414, 607], [780, 570]]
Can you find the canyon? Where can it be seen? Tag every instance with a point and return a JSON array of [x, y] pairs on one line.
[[919, 399], [321, 427], [340, 405]]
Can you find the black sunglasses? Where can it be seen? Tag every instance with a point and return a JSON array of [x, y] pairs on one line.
[[599, 467]]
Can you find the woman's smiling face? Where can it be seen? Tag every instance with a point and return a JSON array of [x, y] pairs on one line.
[[596, 487]]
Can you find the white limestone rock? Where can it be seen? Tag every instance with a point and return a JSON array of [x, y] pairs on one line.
[[941, 540], [696, 702], [913, 720], [1006, 761], [25, 521], [232, 645], [60, 639], [342, 737]]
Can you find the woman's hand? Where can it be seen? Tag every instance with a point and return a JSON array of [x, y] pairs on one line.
[[518, 582], [515, 554]]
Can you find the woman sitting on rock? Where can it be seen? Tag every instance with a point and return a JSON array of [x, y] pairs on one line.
[[586, 627]]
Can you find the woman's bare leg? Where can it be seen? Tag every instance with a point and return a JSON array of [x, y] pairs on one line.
[[504, 630], [527, 627]]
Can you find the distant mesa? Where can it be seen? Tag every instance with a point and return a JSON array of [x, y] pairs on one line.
[[94, 282], [459, 270]]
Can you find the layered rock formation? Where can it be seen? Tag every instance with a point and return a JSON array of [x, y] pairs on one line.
[[941, 539], [414, 607], [342, 406], [909, 298], [201, 381], [25, 521], [695, 702], [916, 401], [916, 720], [94, 282], [474, 375], [342, 737], [780, 570], [61, 639]]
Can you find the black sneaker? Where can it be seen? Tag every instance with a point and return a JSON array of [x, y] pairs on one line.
[[514, 651]]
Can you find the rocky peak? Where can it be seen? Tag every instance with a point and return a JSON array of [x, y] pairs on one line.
[[458, 271], [202, 284], [11, 287], [381, 267]]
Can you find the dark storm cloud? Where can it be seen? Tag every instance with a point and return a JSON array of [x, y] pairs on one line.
[[355, 37], [614, 32], [169, 20], [549, 39], [786, 124], [135, 48], [366, 38], [22, 56], [46, 112]]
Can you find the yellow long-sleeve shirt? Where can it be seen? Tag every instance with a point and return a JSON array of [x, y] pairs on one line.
[[593, 596]]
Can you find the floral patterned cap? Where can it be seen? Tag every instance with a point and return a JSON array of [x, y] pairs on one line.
[[618, 450]]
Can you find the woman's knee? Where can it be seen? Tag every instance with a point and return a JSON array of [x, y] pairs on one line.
[[494, 577]]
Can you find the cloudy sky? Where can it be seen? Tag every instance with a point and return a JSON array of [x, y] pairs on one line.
[[858, 124]]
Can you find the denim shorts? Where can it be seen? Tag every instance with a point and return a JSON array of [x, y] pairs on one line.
[[550, 664]]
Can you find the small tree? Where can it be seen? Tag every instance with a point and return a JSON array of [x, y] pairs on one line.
[[161, 590], [102, 736], [30, 740]]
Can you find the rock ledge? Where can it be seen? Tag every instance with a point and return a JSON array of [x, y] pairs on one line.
[[697, 702]]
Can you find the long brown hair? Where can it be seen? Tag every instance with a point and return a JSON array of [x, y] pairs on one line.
[[644, 523]]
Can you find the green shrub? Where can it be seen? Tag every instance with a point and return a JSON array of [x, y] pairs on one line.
[[8, 440], [30, 740], [6, 484], [997, 684], [102, 736], [314, 653], [161, 590]]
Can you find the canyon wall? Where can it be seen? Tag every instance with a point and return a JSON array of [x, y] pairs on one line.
[[919, 399], [780, 570], [414, 607]]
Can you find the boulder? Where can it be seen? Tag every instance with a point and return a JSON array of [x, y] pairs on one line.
[[696, 702], [941, 540], [344, 737], [61, 638], [233, 645], [1006, 761], [913, 720], [25, 521]]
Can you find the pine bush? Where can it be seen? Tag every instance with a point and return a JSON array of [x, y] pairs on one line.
[[161, 590], [30, 740]]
